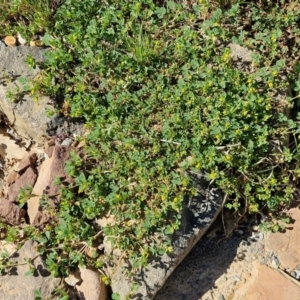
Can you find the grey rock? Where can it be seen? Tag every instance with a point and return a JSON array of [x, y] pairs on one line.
[[198, 214], [240, 232], [56, 121], [13, 62], [67, 142], [257, 236], [2, 46], [274, 264], [16, 285], [296, 274], [27, 116], [236, 278], [220, 297], [59, 126], [240, 53]]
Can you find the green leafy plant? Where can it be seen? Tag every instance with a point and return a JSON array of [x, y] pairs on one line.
[[27, 17], [162, 98], [38, 295]]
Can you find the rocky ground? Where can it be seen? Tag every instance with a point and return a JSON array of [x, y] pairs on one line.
[[250, 264], [243, 263]]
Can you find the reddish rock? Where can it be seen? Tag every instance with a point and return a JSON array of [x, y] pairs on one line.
[[286, 245], [37, 216], [33, 207], [49, 151], [51, 168], [15, 284], [27, 179], [10, 212], [12, 177], [40, 218], [28, 160], [269, 284]]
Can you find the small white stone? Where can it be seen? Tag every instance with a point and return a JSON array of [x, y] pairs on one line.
[[274, 264], [21, 40], [67, 142], [296, 274], [72, 280]]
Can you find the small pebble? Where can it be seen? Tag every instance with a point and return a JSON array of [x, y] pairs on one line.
[[236, 278], [221, 280], [296, 274], [274, 264], [37, 43], [240, 232], [10, 41], [221, 297], [72, 280], [257, 236], [28, 144], [67, 142], [21, 40]]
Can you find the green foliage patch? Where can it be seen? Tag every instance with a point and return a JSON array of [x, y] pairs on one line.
[[27, 17], [162, 97]]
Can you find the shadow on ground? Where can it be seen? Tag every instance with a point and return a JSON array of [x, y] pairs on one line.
[[206, 263]]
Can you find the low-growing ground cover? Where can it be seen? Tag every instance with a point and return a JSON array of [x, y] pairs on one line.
[[162, 98]]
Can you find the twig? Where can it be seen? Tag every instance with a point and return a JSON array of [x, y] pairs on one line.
[[30, 261], [176, 143], [260, 181], [224, 200], [228, 146], [96, 235]]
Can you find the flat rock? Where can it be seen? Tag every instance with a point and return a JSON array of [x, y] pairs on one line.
[[198, 214], [27, 179], [50, 168], [73, 278], [268, 284], [16, 285], [28, 160], [7, 248], [27, 115], [286, 245], [8, 147], [10, 212], [12, 177], [37, 216], [91, 287]]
